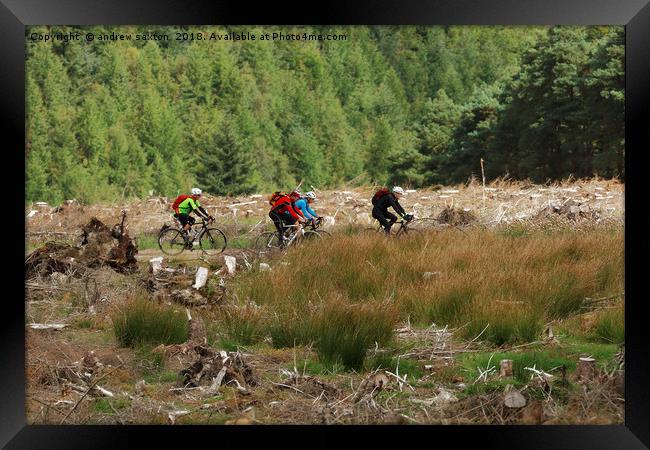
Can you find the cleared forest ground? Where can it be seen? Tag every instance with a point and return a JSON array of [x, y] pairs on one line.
[[360, 329]]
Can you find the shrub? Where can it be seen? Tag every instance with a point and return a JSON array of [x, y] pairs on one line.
[[243, 325], [610, 326], [144, 322], [289, 329], [343, 333]]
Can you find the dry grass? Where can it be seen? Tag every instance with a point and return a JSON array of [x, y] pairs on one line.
[[511, 285]]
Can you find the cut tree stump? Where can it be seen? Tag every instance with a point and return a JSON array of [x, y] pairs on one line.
[[586, 370], [506, 368]]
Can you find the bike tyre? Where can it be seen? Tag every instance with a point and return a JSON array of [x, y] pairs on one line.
[[171, 241], [267, 243], [212, 241], [404, 232], [312, 235]]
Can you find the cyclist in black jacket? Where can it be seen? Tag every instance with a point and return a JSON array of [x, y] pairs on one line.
[[381, 205]]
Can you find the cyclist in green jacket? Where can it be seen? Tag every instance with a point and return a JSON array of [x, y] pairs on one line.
[[191, 205]]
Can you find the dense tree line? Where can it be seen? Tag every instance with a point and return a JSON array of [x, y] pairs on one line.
[[409, 105]]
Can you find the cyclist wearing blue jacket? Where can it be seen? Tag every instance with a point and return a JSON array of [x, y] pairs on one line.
[[303, 204]]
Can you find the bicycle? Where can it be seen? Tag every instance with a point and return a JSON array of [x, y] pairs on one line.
[[210, 240], [314, 225], [269, 241], [403, 230]]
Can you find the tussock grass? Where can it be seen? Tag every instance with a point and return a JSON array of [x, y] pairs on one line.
[[610, 326], [515, 282], [142, 322], [343, 332], [242, 324], [288, 329]]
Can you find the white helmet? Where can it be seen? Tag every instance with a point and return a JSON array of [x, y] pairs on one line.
[[196, 191], [311, 195], [398, 190]]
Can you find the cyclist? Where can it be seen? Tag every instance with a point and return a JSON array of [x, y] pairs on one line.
[[190, 204], [302, 204], [283, 211], [382, 200]]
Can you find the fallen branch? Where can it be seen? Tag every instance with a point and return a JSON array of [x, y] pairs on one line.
[[292, 387], [241, 204], [400, 380], [87, 391], [47, 326], [478, 336]]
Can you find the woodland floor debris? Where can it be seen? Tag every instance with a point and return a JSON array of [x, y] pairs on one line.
[[214, 368], [456, 216], [100, 246]]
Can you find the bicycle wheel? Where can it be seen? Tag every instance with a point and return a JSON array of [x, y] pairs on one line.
[[212, 241], [403, 232], [171, 241], [370, 232], [324, 234], [267, 242], [312, 235]]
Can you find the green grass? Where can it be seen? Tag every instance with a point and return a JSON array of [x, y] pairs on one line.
[[242, 241], [143, 322], [602, 352], [83, 323], [486, 388], [610, 326], [315, 367], [228, 345], [148, 363], [242, 325], [403, 366], [343, 333], [504, 327], [541, 360], [288, 329], [103, 405], [148, 241], [161, 376]]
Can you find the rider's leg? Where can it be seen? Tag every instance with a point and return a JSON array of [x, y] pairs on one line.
[[277, 221], [287, 219], [392, 218], [184, 220], [377, 214]]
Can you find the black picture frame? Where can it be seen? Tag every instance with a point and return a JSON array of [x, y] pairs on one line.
[[15, 15]]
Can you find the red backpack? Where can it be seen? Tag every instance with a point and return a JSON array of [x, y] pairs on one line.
[[178, 201], [379, 194]]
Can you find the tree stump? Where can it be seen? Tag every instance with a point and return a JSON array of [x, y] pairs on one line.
[[506, 368], [586, 370], [619, 382]]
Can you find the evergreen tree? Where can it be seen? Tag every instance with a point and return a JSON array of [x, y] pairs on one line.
[[226, 170]]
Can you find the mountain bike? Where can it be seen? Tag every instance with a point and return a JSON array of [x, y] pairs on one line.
[[269, 241], [209, 240], [314, 225], [403, 230]]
